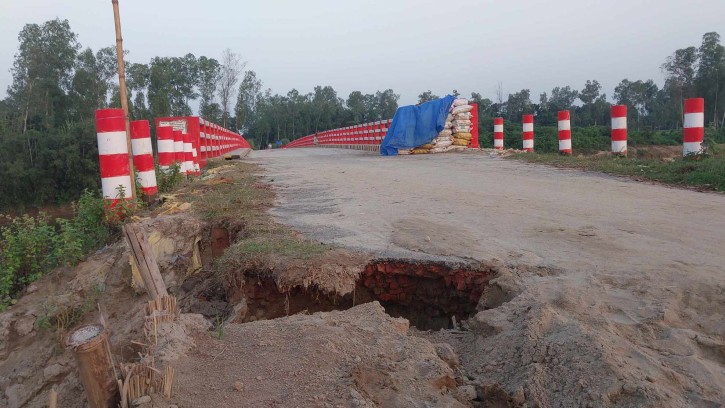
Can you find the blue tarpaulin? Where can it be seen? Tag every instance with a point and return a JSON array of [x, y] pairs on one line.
[[416, 125]]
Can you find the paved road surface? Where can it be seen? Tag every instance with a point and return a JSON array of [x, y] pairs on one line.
[[476, 206]]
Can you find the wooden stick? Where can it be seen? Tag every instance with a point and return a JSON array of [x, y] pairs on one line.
[[53, 398], [145, 260]]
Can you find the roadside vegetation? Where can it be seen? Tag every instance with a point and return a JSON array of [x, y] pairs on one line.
[[705, 172], [31, 247], [238, 200]]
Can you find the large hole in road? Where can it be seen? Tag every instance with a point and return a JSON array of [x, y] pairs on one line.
[[432, 296]]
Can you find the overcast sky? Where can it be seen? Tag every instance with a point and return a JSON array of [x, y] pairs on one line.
[[407, 45]]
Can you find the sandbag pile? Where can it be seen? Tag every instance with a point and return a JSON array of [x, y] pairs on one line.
[[462, 125], [456, 134]]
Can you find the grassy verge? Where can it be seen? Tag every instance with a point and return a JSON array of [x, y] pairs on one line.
[[236, 197], [706, 173]]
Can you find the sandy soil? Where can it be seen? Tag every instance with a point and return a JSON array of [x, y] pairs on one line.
[[356, 358], [612, 292]]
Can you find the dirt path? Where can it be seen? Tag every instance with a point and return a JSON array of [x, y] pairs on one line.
[[611, 292]]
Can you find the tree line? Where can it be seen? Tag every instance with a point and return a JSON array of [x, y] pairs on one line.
[[48, 151]]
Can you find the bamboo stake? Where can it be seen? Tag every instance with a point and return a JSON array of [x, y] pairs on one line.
[[122, 90], [53, 398]]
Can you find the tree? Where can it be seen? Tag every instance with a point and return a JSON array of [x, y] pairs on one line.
[[590, 92], [138, 78], [247, 100], [209, 76], [679, 69], [518, 104], [387, 104], [484, 106], [42, 71], [710, 75], [231, 67], [356, 103], [562, 98], [639, 95], [595, 106], [426, 96]]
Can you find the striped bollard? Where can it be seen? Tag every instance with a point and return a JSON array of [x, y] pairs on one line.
[[619, 129], [693, 126], [196, 159], [528, 132], [564, 132], [113, 154], [188, 163], [498, 133], [143, 156], [165, 146], [179, 149], [202, 142]]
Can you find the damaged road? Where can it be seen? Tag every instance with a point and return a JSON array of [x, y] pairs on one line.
[[609, 292]]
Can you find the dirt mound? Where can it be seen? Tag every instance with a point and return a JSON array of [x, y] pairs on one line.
[[33, 356], [584, 339], [360, 358]]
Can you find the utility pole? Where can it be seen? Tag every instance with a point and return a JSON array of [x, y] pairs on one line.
[[124, 96]]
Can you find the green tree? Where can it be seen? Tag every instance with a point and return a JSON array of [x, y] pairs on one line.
[[710, 76], [518, 104], [427, 96], [248, 99], [209, 72], [562, 98], [42, 74]]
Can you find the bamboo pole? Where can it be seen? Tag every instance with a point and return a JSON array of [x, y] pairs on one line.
[[122, 90], [53, 398], [90, 347]]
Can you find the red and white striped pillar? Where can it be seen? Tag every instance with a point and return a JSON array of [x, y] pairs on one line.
[[619, 129], [498, 133], [203, 141], [179, 149], [215, 137], [564, 132], [165, 146], [196, 159], [693, 126], [113, 154], [188, 163], [143, 156], [528, 132]]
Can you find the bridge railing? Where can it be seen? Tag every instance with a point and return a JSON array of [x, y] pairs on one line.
[[367, 136]]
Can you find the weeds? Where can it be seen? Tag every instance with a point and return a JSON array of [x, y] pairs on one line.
[[705, 171], [238, 197], [60, 318], [219, 326], [32, 246], [169, 179]]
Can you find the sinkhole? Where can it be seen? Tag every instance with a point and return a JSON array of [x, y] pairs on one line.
[[431, 295]]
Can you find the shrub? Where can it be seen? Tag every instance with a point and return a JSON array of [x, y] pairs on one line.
[[168, 180], [32, 246]]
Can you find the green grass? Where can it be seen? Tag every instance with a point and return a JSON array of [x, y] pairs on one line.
[[705, 173], [279, 244], [235, 197]]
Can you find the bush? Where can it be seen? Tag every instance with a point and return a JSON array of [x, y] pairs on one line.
[[32, 246], [168, 180]]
